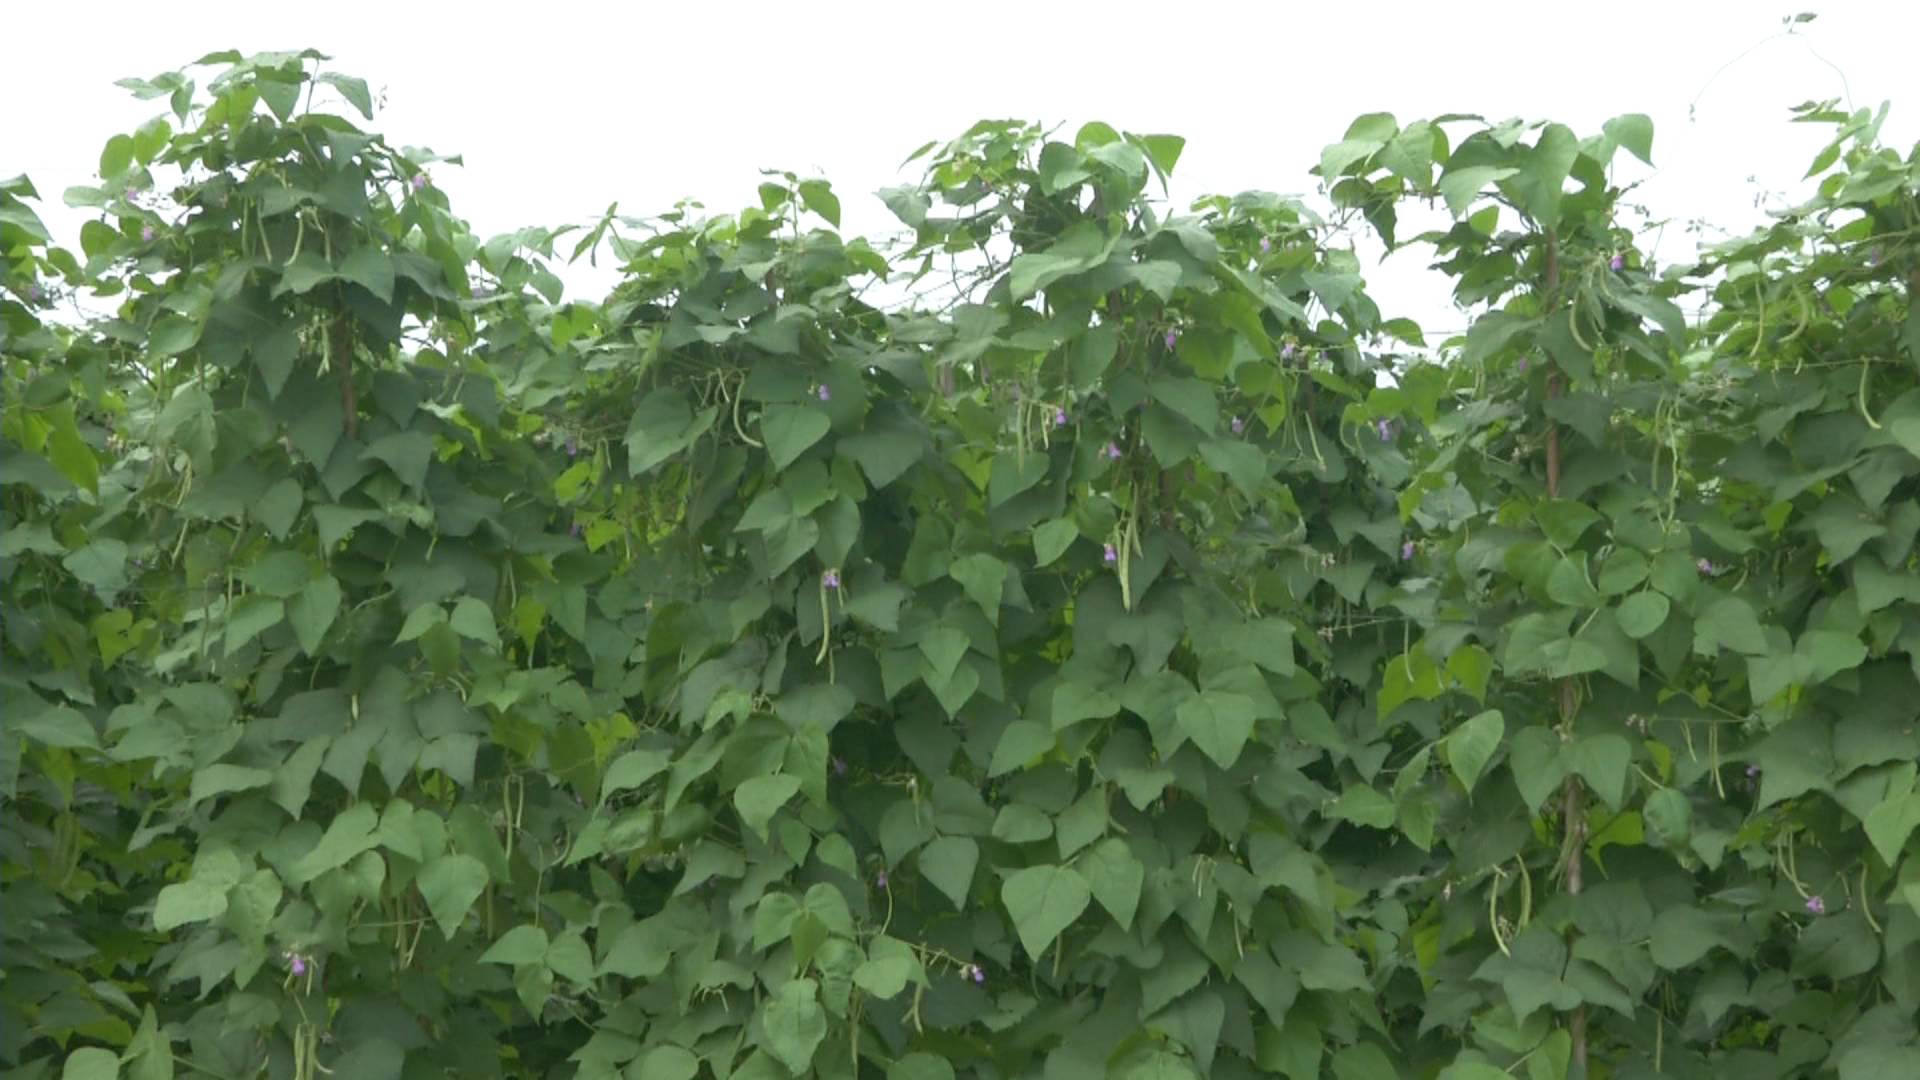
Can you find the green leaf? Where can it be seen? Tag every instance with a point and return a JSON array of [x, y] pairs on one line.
[[1218, 723], [1115, 877], [948, 863], [91, 1063], [1634, 131], [347, 835], [252, 616], [1602, 761], [790, 430], [1461, 187], [795, 1024], [472, 618], [984, 578], [370, 268], [1051, 540], [222, 779], [760, 798], [1044, 901], [632, 769], [666, 1062], [520, 945], [1021, 742], [818, 196], [920, 1066], [450, 884], [188, 902], [1642, 613], [312, 611], [1471, 745], [1728, 622]]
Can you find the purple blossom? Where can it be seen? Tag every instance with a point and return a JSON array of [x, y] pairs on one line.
[[35, 293], [1816, 905], [1753, 771], [1406, 551], [1385, 428], [1618, 263], [1173, 338], [1286, 351], [573, 446], [420, 181], [1266, 245], [297, 963], [1874, 256], [979, 975], [1112, 555], [1059, 418], [1113, 452], [839, 766], [146, 234], [1522, 365], [1704, 566], [575, 531], [824, 393], [880, 880], [831, 579], [1239, 425]]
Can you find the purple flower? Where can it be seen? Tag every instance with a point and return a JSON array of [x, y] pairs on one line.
[[1059, 418], [880, 880], [1113, 452], [420, 181], [825, 394], [1266, 245], [1753, 771], [573, 446], [1406, 551], [1173, 338], [35, 293], [979, 975], [146, 234], [1239, 425], [1286, 351], [575, 531], [831, 579], [1816, 906], [297, 963], [1385, 428], [1112, 555], [1522, 365], [1704, 566], [839, 766], [1618, 262], [1874, 256]]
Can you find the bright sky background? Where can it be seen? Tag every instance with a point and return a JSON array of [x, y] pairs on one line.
[[562, 107]]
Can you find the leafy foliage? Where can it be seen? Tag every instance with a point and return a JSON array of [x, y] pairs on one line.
[[1103, 672]]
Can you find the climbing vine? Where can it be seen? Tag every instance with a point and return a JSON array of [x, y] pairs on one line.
[[1134, 655]]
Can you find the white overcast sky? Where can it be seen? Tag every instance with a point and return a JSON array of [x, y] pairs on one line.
[[562, 107]]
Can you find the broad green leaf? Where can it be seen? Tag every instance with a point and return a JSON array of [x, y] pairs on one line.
[[449, 885], [1051, 540], [1471, 745], [1642, 613], [1114, 876], [758, 799], [795, 1024], [188, 902], [790, 430], [1218, 723], [1634, 131], [91, 1063], [1043, 901], [948, 863], [520, 945]]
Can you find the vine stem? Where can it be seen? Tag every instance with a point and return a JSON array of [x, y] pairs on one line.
[[1573, 795]]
